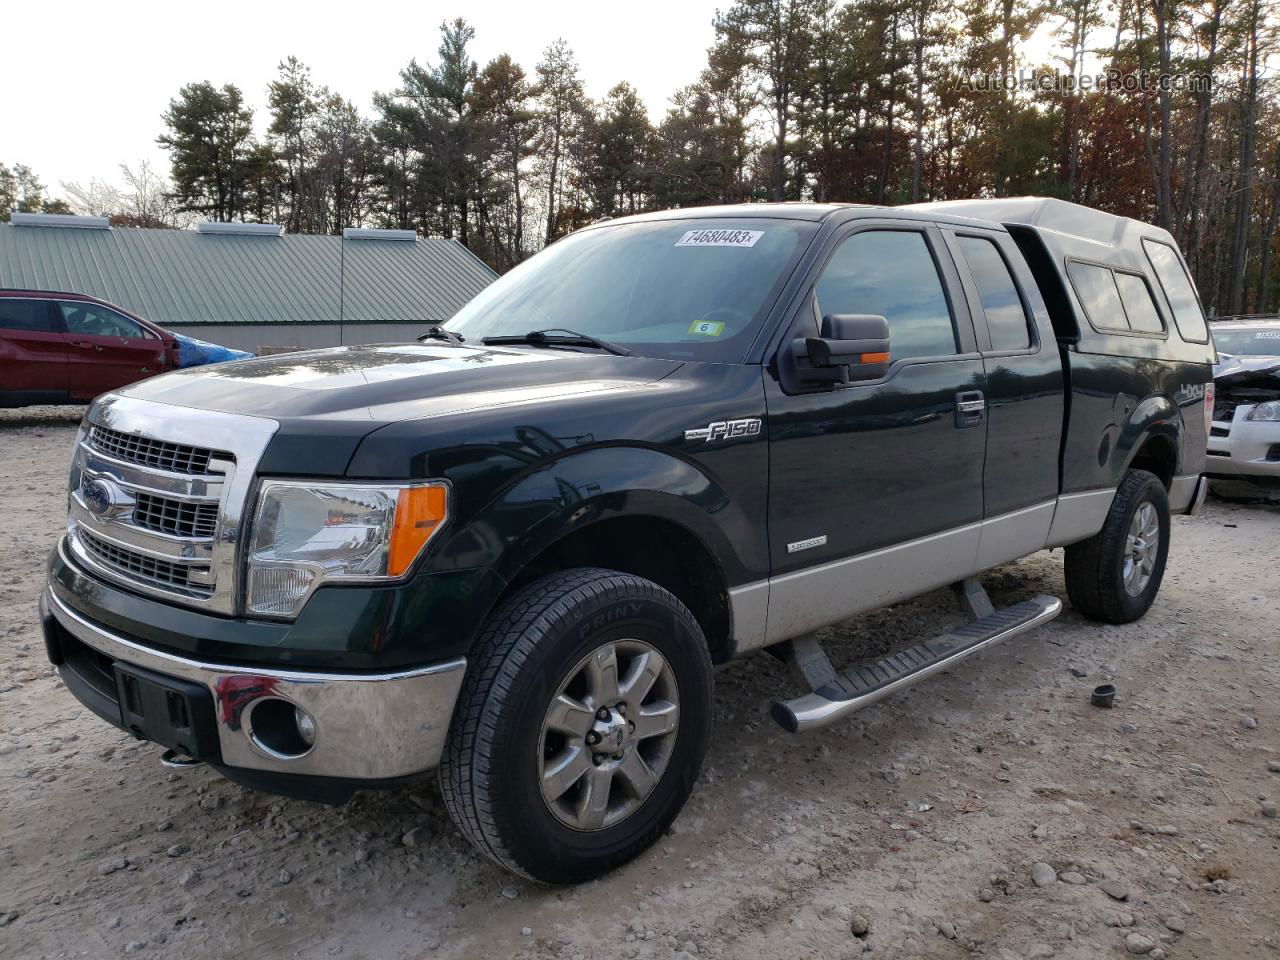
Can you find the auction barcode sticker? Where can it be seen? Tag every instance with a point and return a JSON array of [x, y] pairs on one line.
[[720, 238]]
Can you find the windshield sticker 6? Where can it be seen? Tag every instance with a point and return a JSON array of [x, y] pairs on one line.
[[720, 238], [706, 328]]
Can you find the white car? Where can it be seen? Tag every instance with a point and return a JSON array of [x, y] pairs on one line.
[[1244, 442]]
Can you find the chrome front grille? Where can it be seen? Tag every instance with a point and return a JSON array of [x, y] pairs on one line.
[[156, 513], [177, 518], [172, 457], [139, 566]]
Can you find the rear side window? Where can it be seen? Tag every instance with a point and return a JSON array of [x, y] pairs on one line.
[[1098, 294], [891, 273], [1178, 289], [1006, 318], [30, 315], [1138, 303]]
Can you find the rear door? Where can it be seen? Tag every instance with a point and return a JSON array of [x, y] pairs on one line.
[[1024, 393], [106, 349], [33, 353]]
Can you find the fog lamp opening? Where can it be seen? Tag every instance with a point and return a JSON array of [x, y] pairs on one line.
[[281, 729]]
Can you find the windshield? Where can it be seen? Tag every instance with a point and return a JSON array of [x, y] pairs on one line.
[[1249, 341], [694, 289]]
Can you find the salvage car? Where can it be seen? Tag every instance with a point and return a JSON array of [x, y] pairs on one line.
[[68, 348], [513, 550], [1244, 441], [60, 348]]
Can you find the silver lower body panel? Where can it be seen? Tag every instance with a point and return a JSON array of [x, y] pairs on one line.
[[368, 726]]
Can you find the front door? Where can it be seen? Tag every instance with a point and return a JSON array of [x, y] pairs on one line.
[[33, 353], [106, 349], [875, 489]]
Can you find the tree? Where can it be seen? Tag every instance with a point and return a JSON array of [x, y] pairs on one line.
[[292, 101], [22, 192], [776, 33], [210, 143], [442, 126], [1253, 28], [561, 112], [619, 145], [505, 128]]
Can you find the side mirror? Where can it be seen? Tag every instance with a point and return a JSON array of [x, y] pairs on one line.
[[852, 347]]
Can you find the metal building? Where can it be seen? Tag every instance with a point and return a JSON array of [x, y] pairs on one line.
[[249, 285]]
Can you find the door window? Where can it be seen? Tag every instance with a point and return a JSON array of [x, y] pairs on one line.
[[90, 320], [1178, 289], [891, 273], [30, 315], [1006, 318]]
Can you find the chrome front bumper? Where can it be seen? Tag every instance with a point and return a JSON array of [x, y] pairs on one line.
[[368, 726], [1245, 450]]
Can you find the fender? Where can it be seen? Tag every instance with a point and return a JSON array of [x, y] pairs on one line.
[[568, 494], [1156, 416]]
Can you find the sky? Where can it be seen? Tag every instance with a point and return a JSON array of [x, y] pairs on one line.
[[89, 95]]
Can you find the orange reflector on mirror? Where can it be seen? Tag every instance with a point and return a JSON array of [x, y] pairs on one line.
[[419, 513]]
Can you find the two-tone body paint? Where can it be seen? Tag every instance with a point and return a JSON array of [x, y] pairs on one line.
[[537, 444]]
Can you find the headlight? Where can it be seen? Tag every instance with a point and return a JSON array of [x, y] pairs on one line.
[[1270, 410], [308, 533]]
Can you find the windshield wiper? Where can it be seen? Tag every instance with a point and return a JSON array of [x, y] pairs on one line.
[[437, 332], [558, 337]]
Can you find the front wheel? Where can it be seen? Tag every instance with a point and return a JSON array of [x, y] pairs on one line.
[[1114, 576], [581, 725]]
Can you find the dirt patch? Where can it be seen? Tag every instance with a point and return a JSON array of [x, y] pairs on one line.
[[916, 824]]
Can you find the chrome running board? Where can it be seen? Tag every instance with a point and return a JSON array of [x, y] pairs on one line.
[[837, 695]]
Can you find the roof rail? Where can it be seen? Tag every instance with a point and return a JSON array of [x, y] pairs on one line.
[[374, 233], [240, 229], [59, 220]]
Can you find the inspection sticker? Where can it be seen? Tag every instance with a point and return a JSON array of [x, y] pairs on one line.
[[720, 238], [707, 328]]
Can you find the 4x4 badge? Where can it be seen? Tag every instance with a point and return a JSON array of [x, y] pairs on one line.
[[725, 430]]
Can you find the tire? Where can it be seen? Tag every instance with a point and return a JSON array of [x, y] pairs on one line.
[[549, 642], [1096, 568]]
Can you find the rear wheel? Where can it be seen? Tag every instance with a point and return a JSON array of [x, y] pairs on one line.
[[581, 725], [1114, 576]]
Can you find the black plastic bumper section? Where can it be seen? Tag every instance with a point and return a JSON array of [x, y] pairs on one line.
[[166, 710]]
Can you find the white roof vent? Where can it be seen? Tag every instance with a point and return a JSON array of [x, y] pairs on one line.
[[59, 220], [369, 233], [240, 229]]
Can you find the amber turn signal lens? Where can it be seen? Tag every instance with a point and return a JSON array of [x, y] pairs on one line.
[[419, 513], [874, 358]]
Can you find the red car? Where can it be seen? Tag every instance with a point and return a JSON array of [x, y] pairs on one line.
[[68, 348]]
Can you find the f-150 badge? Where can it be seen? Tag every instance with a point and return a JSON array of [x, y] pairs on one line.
[[725, 430]]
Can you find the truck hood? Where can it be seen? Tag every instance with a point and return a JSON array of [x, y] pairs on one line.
[[368, 386], [1254, 371]]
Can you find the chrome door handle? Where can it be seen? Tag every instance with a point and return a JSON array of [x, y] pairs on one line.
[[971, 407]]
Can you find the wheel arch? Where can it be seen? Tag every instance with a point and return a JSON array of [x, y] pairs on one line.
[[628, 508], [1157, 453]]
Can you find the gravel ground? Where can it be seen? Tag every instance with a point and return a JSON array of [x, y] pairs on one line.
[[989, 812]]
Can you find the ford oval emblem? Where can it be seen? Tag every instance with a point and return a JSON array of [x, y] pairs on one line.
[[98, 496]]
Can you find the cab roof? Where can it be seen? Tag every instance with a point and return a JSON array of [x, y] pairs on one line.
[[812, 212]]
